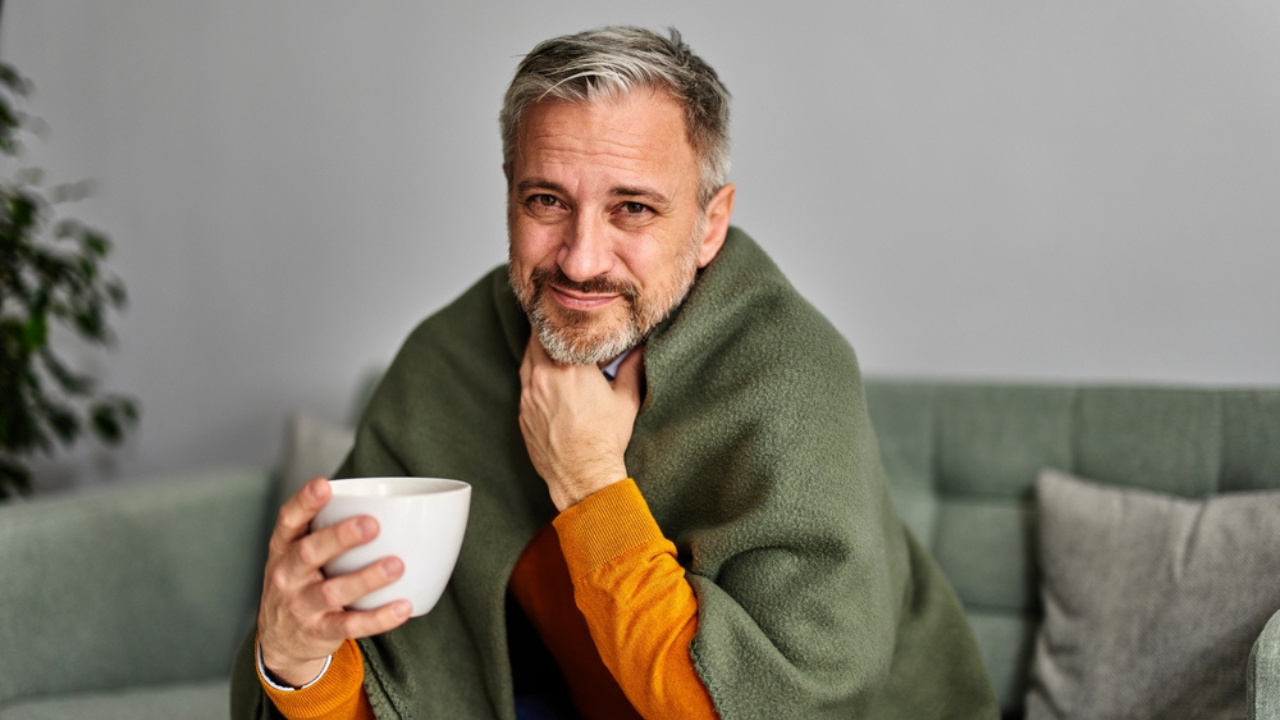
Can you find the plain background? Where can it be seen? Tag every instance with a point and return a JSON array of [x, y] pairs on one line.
[[1009, 191]]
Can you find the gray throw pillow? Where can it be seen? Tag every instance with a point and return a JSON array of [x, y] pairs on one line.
[[313, 448], [1151, 601]]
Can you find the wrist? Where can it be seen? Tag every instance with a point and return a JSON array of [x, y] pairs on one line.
[[291, 674], [588, 484]]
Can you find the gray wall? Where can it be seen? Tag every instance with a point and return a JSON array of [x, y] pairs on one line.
[[993, 190]]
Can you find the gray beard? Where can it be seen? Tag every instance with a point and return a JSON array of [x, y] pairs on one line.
[[568, 342]]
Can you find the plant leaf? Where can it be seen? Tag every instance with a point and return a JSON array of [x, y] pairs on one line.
[[96, 243], [14, 478], [127, 408], [106, 424], [37, 330], [12, 79], [70, 192], [119, 296], [63, 420], [29, 176], [68, 228], [71, 382]]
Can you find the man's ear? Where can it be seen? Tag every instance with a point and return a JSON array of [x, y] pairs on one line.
[[718, 213]]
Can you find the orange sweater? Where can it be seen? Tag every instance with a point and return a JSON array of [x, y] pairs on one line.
[[603, 589]]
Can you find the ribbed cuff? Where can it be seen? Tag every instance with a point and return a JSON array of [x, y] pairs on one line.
[[337, 687], [604, 525]]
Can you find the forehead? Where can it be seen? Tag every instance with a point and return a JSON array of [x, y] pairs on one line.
[[641, 132]]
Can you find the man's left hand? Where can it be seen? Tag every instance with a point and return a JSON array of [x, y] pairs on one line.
[[577, 424]]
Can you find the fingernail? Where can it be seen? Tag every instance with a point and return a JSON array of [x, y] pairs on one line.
[[403, 608], [367, 527], [392, 566]]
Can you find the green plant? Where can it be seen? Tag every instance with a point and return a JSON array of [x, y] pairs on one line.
[[52, 272]]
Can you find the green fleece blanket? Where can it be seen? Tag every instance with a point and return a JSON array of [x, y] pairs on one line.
[[755, 454]]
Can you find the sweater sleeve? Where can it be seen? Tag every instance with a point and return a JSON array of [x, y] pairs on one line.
[[641, 611], [337, 695]]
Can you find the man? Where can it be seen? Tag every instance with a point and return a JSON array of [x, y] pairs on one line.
[[700, 531]]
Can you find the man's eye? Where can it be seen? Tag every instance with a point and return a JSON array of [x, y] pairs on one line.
[[634, 208], [539, 202]]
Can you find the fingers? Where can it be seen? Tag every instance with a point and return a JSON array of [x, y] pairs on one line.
[[313, 551], [335, 594], [535, 344], [338, 592], [364, 623], [535, 354], [297, 513], [301, 616], [307, 624]]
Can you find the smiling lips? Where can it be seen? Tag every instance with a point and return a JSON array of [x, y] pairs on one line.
[[581, 301]]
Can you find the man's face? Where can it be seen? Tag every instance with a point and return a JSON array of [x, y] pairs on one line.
[[605, 229]]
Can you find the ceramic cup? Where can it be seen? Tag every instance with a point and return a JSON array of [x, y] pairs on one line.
[[420, 520]]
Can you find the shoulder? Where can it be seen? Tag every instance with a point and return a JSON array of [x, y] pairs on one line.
[[744, 324], [466, 342], [474, 311]]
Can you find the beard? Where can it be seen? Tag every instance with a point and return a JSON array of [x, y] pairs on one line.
[[577, 337]]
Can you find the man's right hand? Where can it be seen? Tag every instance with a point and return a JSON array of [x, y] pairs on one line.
[[301, 619]]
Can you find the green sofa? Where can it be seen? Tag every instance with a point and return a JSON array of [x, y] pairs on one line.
[[129, 602]]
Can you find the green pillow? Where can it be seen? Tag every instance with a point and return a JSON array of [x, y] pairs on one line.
[[1152, 602]]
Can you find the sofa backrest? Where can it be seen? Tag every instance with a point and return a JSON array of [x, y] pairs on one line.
[[962, 460], [141, 584]]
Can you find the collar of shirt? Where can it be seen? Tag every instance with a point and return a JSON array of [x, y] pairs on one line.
[[611, 370]]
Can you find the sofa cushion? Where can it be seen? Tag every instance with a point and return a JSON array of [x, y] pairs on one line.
[[190, 701], [148, 583], [1151, 601]]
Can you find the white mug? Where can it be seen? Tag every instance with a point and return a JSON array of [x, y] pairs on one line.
[[420, 520]]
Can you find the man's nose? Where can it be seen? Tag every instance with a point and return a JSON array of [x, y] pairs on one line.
[[587, 251]]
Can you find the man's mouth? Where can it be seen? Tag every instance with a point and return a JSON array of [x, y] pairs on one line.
[[575, 300]]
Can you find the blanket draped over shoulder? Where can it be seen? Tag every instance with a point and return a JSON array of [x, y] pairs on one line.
[[755, 454]]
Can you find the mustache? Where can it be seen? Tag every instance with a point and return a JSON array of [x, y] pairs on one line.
[[600, 284]]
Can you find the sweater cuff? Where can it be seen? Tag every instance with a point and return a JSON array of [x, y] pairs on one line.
[[604, 525], [338, 686]]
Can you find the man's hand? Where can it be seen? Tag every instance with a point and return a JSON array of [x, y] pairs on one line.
[[576, 424], [301, 620]]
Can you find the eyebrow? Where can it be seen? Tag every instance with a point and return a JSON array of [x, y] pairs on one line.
[[528, 184], [652, 196]]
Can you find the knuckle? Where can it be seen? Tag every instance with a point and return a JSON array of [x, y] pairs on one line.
[[349, 625], [308, 553], [278, 546], [279, 577], [284, 518], [331, 595]]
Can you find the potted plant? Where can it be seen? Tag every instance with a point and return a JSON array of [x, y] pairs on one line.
[[52, 273]]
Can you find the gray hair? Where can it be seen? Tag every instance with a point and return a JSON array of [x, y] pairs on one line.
[[609, 63]]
